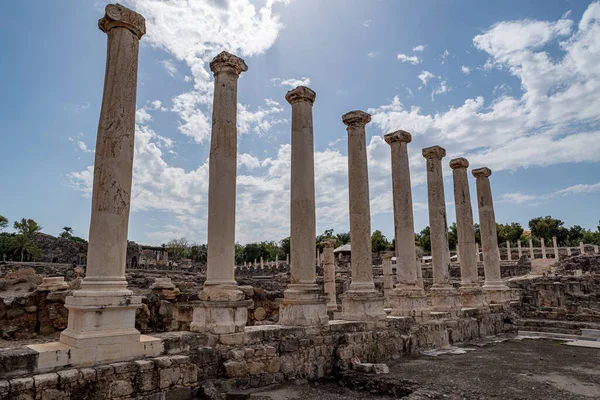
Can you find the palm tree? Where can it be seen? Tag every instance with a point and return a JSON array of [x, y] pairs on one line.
[[24, 242], [67, 232]]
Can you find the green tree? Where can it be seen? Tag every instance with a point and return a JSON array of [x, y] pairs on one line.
[[378, 242], [342, 238], [423, 239], [325, 235], [576, 234], [23, 242], [285, 245], [252, 251], [546, 227], [452, 236], [178, 248], [67, 232], [3, 222], [512, 232]]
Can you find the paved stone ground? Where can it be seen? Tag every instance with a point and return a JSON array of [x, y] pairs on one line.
[[513, 369]]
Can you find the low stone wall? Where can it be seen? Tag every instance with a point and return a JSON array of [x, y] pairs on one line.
[[262, 355]]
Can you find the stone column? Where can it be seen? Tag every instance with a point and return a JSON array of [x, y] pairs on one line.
[[101, 323], [329, 273], [361, 301], [471, 293], [508, 255], [223, 309], [554, 244], [531, 252], [520, 249], [388, 277], [477, 251], [444, 297], [262, 263], [496, 290], [581, 248], [543, 244], [287, 259], [408, 298], [569, 253], [596, 249], [303, 303]]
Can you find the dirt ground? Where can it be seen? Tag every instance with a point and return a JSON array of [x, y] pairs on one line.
[[512, 369]]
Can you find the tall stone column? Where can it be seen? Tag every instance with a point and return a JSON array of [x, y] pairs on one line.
[[496, 290], [408, 298], [555, 245], [101, 323], [444, 297], [508, 255], [361, 301], [520, 249], [388, 276], [329, 273], [581, 248], [223, 309], [543, 244], [303, 303], [471, 293], [531, 252]]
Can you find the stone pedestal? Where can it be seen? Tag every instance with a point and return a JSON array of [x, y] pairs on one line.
[[52, 284], [444, 298], [303, 302], [362, 286], [494, 287], [220, 317]]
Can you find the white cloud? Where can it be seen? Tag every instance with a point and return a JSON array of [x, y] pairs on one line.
[[555, 117], [409, 59], [372, 54], [425, 76], [291, 83], [169, 67], [367, 23], [465, 70], [532, 199], [261, 120], [441, 89], [83, 147], [445, 54], [419, 48], [142, 116]]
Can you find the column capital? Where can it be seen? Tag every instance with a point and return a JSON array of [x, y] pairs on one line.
[[227, 62], [398, 136], [387, 255], [460, 162], [301, 93], [356, 118], [484, 172], [117, 16], [434, 152], [328, 242]]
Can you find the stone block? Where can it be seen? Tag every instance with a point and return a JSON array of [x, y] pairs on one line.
[[125, 367], [163, 362], [236, 369], [231, 338], [86, 375], [144, 365], [272, 365], [45, 380], [102, 371], [121, 388], [21, 384], [256, 367]]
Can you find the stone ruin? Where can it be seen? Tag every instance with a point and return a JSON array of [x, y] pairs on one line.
[[147, 336]]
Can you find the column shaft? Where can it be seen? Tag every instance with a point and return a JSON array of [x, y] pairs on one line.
[[531, 253], [555, 245], [487, 221], [329, 273], [543, 244]]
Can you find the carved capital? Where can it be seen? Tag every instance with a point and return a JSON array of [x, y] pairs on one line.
[[356, 118], [227, 62], [387, 255], [484, 172], [398, 136], [434, 152], [117, 16], [301, 93], [459, 163], [328, 242]]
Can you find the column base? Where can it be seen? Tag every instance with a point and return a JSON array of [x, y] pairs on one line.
[[361, 306], [220, 317], [497, 294], [303, 305], [472, 296], [444, 298], [409, 304], [100, 329]]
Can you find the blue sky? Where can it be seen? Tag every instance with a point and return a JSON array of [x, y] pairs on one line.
[[511, 85]]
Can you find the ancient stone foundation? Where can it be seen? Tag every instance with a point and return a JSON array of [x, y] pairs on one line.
[[192, 363]]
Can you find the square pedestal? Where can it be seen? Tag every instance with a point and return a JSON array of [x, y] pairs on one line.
[[446, 300], [409, 304], [100, 329], [472, 297], [220, 317], [362, 306], [498, 295], [303, 305]]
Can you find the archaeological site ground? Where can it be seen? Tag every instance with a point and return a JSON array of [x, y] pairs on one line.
[[112, 319]]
